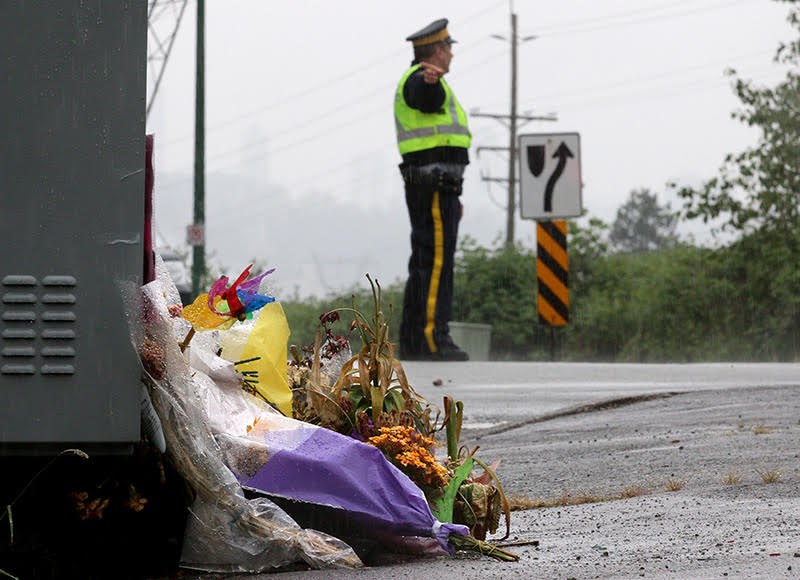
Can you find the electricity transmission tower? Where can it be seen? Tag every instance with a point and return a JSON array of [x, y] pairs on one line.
[[511, 120], [163, 20]]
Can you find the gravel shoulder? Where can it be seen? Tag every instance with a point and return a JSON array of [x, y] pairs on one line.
[[694, 472]]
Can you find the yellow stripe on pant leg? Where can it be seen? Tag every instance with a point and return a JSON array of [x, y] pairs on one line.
[[436, 271]]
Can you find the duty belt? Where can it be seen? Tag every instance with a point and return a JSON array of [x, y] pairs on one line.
[[445, 177]]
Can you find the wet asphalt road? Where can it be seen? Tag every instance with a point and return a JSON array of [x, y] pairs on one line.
[[684, 456], [496, 393]]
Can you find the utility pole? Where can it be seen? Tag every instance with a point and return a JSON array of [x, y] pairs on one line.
[[199, 257], [512, 146], [511, 119]]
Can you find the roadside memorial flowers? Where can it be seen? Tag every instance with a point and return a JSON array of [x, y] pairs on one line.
[[247, 443], [373, 401], [226, 532]]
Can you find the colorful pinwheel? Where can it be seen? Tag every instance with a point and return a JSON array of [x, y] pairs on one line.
[[224, 305], [242, 297]]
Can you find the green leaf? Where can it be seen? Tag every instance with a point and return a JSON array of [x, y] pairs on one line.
[[443, 508], [394, 401]]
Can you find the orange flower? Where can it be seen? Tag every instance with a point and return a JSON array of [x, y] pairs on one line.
[[88, 509], [410, 451], [135, 501]]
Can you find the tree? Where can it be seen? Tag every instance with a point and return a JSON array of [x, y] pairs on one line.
[[587, 246], [642, 225], [757, 197], [760, 187]]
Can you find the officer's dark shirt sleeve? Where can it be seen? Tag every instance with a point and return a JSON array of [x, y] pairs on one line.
[[423, 96]]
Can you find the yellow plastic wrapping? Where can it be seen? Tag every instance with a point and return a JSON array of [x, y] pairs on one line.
[[268, 341]]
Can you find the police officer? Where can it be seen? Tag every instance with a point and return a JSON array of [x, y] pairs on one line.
[[433, 139]]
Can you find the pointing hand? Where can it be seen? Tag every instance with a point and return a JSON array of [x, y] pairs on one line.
[[431, 73]]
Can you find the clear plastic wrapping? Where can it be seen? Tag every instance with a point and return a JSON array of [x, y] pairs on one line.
[[225, 530]]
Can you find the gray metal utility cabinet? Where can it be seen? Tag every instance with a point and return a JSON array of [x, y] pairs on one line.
[[72, 173]]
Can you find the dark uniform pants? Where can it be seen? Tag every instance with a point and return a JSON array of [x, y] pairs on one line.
[[435, 210]]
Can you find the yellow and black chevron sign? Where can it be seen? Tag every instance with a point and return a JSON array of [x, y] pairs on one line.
[[552, 270]]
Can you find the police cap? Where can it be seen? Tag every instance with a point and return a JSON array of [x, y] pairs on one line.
[[436, 31]]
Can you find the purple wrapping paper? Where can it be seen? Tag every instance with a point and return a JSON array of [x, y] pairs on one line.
[[323, 467]]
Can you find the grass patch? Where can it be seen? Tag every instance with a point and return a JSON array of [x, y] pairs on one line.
[[568, 498], [731, 478], [770, 476], [674, 484], [632, 491], [565, 499]]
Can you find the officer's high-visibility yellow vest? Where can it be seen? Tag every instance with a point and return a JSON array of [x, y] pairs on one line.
[[417, 131]]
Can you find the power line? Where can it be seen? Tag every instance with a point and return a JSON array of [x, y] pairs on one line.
[[326, 115], [361, 116], [293, 98], [557, 27], [566, 24], [678, 14], [343, 106], [582, 91], [326, 84], [651, 95]]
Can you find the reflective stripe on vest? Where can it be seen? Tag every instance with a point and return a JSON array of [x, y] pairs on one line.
[[427, 130]]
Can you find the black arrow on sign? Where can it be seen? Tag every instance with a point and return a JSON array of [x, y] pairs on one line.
[[562, 153]]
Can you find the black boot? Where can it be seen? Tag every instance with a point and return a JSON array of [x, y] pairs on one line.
[[449, 351]]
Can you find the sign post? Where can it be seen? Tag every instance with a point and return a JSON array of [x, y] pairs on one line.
[[550, 189]]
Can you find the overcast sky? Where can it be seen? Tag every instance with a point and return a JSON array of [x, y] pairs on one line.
[[301, 158]]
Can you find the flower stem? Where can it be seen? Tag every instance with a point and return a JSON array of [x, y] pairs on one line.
[[187, 340], [485, 548]]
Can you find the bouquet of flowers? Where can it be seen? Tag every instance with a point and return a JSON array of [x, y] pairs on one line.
[[373, 401], [230, 429]]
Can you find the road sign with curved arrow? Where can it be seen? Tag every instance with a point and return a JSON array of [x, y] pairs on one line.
[[550, 176]]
